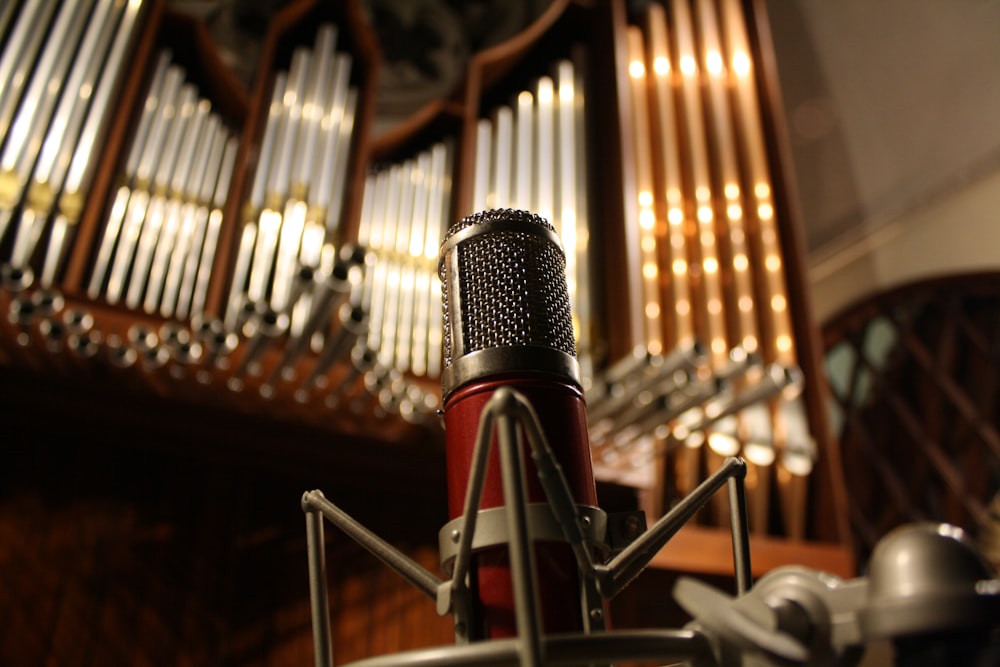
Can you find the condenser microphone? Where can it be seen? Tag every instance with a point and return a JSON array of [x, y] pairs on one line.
[[508, 323]]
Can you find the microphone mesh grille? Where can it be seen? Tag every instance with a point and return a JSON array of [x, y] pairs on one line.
[[512, 288]]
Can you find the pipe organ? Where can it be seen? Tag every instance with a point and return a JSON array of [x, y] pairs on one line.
[[253, 246]]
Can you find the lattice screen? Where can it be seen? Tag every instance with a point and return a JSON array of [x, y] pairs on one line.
[[915, 402]]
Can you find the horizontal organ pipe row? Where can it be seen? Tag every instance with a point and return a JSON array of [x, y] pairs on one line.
[[296, 286], [531, 155], [157, 247], [528, 155], [59, 68], [708, 296], [297, 289], [295, 202], [405, 213]]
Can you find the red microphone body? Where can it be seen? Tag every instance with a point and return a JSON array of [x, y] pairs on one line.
[[507, 322]]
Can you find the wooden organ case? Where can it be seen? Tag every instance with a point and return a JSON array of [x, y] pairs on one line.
[[232, 288]]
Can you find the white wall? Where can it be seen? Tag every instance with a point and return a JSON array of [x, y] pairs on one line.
[[893, 110], [957, 233]]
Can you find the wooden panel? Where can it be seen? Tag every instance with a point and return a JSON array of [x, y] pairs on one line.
[[112, 555], [701, 550]]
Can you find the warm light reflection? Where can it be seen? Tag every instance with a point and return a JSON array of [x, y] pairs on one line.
[[688, 65], [798, 462], [694, 440], [759, 453], [713, 61], [312, 239], [647, 220], [723, 444], [741, 63], [799, 451], [545, 91], [636, 69]]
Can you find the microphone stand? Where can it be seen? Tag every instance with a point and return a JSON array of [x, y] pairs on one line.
[[512, 419]]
